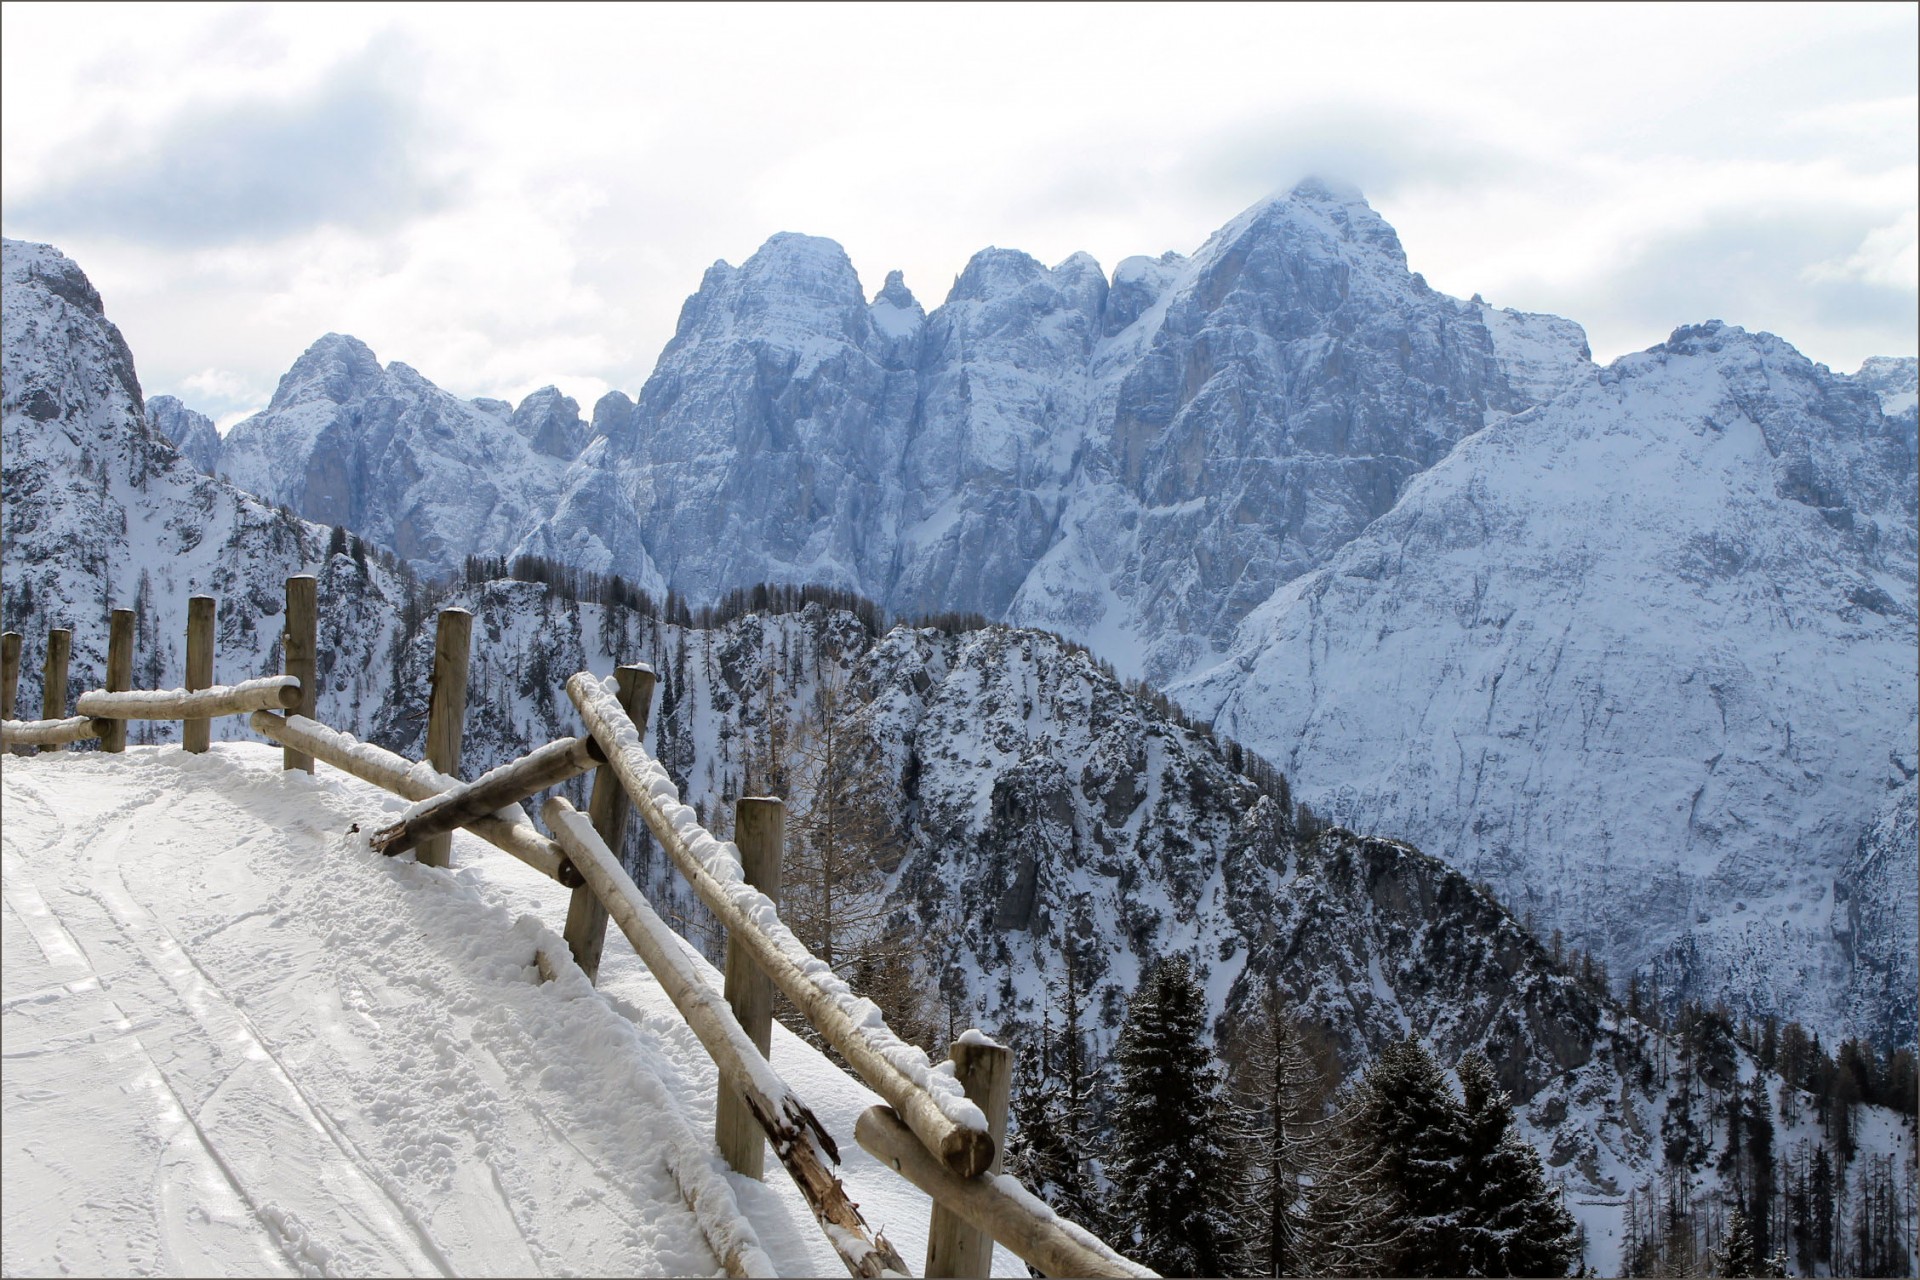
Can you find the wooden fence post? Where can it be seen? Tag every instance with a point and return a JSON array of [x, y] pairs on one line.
[[119, 674], [195, 734], [586, 931], [985, 1071], [297, 653], [9, 672], [53, 676], [447, 715], [760, 833]]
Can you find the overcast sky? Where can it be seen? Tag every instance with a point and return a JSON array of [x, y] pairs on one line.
[[508, 196]]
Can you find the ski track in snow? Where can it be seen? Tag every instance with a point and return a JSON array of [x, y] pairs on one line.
[[237, 1042]]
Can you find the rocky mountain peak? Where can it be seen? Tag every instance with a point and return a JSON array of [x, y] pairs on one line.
[[551, 423], [193, 434], [337, 368], [995, 272]]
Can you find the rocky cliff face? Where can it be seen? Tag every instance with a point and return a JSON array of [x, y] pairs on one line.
[[411, 468], [1136, 463], [102, 513], [192, 433], [1642, 658]]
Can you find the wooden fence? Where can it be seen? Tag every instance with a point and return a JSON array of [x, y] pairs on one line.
[[941, 1129]]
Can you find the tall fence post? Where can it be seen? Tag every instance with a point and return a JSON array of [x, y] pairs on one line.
[[760, 833], [447, 715], [297, 650], [53, 676], [196, 734], [9, 672], [985, 1071], [119, 674], [586, 931]]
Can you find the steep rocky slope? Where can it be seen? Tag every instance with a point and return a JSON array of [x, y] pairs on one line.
[[1642, 658]]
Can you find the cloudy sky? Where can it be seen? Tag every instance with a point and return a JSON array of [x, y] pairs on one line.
[[507, 196]]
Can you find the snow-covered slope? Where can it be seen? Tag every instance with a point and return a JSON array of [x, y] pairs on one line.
[[1642, 658], [241, 1043], [387, 454], [102, 513]]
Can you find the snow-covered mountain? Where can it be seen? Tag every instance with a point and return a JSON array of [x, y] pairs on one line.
[[1135, 463], [402, 463], [1643, 658], [102, 512], [192, 433]]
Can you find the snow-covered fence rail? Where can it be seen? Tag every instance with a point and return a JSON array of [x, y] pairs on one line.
[[50, 733], [799, 1141], [264, 694], [932, 1104]]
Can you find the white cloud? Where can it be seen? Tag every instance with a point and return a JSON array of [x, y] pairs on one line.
[[534, 192], [1888, 255]]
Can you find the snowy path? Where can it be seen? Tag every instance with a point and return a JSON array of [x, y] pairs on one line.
[[238, 1042]]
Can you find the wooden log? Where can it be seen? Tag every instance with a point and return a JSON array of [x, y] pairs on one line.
[[412, 781], [802, 1145], [967, 1148], [297, 648], [490, 792], [586, 931], [268, 693], [760, 833], [984, 1069], [119, 676], [997, 1204], [447, 714], [53, 680], [9, 672], [196, 735], [50, 733]]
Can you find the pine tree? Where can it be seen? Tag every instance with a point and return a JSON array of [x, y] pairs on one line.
[[1170, 1163], [1281, 1091], [1043, 1151], [1514, 1222], [1738, 1254]]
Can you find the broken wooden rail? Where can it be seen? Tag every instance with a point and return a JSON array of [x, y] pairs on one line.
[[491, 791], [410, 781]]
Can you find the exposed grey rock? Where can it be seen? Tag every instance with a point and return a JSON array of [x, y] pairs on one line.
[[387, 454], [193, 434]]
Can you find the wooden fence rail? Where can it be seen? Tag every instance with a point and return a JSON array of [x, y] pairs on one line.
[[51, 733], [490, 792], [961, 1140], [265, 694]]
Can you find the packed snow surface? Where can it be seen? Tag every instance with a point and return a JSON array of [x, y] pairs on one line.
[[239, 1042]]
